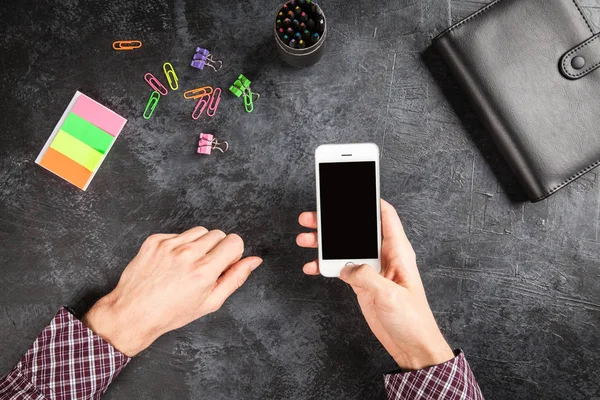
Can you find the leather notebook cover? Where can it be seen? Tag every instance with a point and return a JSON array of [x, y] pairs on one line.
[[530, 68]]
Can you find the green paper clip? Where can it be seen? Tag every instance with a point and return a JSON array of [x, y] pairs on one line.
[[248, 103], [152, 103], [242, 87]]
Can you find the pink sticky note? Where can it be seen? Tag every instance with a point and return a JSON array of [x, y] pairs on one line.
[[94, 112]]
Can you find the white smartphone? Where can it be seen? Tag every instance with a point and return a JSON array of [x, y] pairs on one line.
[[348, 206]]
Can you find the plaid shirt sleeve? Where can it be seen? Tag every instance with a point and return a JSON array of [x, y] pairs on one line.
[[452, 380], [67, 361]]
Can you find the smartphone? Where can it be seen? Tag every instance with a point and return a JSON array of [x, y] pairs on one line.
[[348, 206]]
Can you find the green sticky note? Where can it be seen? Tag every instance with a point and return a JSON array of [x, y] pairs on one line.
[[76, 150], [87, 133]]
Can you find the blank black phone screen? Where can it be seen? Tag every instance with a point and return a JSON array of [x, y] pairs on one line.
[[348, 210]]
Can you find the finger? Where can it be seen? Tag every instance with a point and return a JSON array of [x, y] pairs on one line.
[[226, 252], [364, 277], [188, 236], [309, 240], [311, 268], [232, 280], [207, 242], [160, 237], [308, 220], [395, 236], [391, 226]]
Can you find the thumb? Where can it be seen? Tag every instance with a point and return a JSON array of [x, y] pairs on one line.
[[363, 276]]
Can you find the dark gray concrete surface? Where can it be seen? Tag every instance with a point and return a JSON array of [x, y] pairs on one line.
[[516, 285]]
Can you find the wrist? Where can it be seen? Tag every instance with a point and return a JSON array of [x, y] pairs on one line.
[[109, 321], [429, 354]]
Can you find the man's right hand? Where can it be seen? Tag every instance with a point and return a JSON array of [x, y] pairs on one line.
[[173, 280], [393, 302]]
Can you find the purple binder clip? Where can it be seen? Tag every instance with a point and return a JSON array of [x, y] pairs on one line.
[[199, 56], [203, 57], [201, 51], [198, 64]]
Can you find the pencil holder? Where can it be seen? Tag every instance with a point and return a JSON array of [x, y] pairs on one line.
[[300, 31]]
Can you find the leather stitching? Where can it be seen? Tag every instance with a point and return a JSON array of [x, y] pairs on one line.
[[499, 1], [575, 50], [583, 16], [577, 175], [475, 15]]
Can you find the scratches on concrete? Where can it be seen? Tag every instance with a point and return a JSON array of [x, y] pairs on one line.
[[389, 99]]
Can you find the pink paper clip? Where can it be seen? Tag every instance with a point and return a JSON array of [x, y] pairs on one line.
[[155, 84], [214, 102], [208, 143], [202, 103]]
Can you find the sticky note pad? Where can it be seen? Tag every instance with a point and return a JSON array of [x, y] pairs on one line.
[[81, 140]]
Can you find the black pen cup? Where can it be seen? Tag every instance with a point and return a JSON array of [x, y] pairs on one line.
[[314, 50]]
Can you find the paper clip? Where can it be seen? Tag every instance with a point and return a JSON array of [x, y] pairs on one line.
[[214, 103], [155, 84], [126, 44], [248, 102], [208, 143], [241, 87], [202, 103], [171, 76], [152, 103], [198, 92]]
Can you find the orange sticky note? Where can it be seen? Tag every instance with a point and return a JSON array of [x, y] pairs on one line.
[[66, 168]]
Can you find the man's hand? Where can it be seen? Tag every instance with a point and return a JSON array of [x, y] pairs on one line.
[[393, 302], [172, 281]]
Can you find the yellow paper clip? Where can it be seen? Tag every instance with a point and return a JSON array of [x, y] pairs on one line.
[[171, 76], [152, 103], [197, 93], [126, 44]]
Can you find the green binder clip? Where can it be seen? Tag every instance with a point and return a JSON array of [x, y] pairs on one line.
[[241, 87]]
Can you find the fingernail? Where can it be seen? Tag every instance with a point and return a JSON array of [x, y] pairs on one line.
[[255, 264], [346, 271]]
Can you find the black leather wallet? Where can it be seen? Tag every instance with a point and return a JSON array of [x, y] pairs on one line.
[[530, 68]]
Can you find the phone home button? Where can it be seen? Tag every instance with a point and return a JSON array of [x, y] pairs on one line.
[[349, 263]]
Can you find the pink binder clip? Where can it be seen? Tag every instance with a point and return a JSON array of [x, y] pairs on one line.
[[214, 102], [202, 103], [208, 143], [155, 84]]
